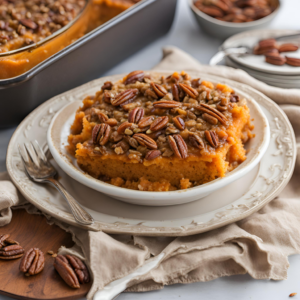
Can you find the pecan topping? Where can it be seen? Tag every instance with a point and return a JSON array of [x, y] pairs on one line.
[[123, 127], [213, 112], [136, 115], [159, 90], [125, 97], [196, 83], [179, 123], [151, 94], [189, 90], [222, 107], [210, 119], [212, 137], [72, 270], [275, 60], [100, 134], [145, 122], [152, 154], [134, 76], [166, 104], [176, 91], [234, 98], [196, 141], [32, 262], [288, 47], [145, 140], [111, 122], [159, 123], [102, 117], [292, 61], [28, 23], [106, 97], [178, 145], [107, 85]]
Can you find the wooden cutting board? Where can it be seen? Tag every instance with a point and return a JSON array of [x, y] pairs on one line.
[[33, 231]]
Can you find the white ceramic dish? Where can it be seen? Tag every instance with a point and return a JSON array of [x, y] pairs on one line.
[[57, 138], [229, 204], [224, 29], [257, 62]]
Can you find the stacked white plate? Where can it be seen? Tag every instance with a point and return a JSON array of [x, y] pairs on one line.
[[281, 76]]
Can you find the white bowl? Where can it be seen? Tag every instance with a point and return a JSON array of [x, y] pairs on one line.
[[222, 29], [57, 140]]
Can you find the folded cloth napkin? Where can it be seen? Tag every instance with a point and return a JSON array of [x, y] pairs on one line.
[[258, 245]]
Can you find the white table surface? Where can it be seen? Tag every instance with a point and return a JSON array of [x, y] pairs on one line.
[[186, 34]]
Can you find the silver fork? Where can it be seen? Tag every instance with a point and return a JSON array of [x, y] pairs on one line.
[[39, 169]]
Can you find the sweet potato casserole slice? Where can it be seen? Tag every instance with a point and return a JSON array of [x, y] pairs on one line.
[[155, 133]]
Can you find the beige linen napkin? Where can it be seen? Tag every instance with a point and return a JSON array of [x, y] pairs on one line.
[[258, 245]]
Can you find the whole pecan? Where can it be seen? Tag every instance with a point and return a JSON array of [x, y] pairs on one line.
[[145, 121], [136, 115], [152, 154], [196, 141], [145, 140], [288, 47], [293, 61], [100, 134], [72, 270], [178, 145], [189, 90], [212, 137], [11, 252], [159, 90], [275, 60], [166, 104], [179, 123], [134, 77], [159, 123], [121, 129], [213, 112], [125, 97], [33, 262], [107, 85], [210, 119]]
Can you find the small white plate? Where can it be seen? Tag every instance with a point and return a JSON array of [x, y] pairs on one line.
[[59, 131], [257, 62], [234, 202]]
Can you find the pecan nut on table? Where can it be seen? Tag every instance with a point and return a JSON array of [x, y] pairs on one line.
[[236, 11], [273, 52], [33, 262], [9, 249], [72, 270]]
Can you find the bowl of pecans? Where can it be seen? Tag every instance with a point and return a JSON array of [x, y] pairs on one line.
[[224, 18]]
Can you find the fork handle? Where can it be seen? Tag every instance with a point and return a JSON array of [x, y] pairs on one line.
[[80, 215]]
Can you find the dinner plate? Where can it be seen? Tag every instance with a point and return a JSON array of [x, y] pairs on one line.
[[59, 131], [229, 204], [257, 62]]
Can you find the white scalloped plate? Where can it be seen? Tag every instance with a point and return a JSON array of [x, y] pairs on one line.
[[229, 204]]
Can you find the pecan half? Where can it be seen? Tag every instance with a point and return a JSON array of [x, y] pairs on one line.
[[107, 85], [213, 112], [292, 61], [111, 122], [102, 117], [145, 122], [210, 119], [159, 123], [212, 137], [3, 238], [288, 47], [189, 90], [136, 115], [196, 83], [151, 94], [11, 252], [106, 97], [121, 129], [212, 11], [100, 134], [275, 60], [125, 97], [33, 262], [179, 123], [145, 140], [176, 91], [178, 145], [166, 104], [134, 77], [152, 154], [196, 141], [267, 43], [159, 90], [234, 98], [28, 23]]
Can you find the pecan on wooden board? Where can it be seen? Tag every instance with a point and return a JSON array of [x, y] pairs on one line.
[[72, 270], [9, 249], [33, 262]]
